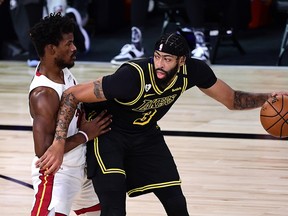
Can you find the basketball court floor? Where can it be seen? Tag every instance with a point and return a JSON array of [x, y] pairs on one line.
[[228, 164]]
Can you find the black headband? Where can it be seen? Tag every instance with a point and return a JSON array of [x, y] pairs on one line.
[[174, 44]]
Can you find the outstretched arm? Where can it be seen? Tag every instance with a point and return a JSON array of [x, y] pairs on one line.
[[237, 100], [86, 92]]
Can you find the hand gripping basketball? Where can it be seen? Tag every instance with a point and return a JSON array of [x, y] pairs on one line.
[[274, 116]]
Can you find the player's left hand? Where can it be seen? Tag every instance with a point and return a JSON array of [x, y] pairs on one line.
[[52, 159]]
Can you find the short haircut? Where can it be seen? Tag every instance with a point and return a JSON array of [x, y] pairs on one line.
[[50, 30]]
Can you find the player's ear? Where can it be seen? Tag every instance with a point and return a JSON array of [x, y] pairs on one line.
[[50, 48], [182, 60]]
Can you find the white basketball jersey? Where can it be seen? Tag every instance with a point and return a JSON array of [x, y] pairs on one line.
[[76, 156]]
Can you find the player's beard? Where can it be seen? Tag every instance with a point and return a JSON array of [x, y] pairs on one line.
[[63, 64], [169, 76]]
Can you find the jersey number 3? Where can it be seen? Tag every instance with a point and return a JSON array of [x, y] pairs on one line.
[[146, 118]]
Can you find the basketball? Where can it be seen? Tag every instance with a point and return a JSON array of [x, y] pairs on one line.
[[274, 116]]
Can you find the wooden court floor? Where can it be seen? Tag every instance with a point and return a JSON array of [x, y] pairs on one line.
[[228, 164]]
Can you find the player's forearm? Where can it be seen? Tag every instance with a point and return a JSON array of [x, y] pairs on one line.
[[88, 92], [66, 112], [43, 134], [74, 141], [247, 100]]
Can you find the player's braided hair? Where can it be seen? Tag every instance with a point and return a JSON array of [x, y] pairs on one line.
[[174, 44], [50, 30]]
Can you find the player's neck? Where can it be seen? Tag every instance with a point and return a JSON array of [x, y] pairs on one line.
[[51, 72]]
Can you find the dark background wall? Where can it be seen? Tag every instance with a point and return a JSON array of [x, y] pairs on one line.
[[109, 30]]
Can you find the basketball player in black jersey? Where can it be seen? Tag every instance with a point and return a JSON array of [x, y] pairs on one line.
[[133, 157]]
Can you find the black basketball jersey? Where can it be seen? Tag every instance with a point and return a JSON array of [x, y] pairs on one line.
[[135, 100]]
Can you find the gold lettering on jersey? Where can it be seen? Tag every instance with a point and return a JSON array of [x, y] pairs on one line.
[[176, 89], [155, 103]]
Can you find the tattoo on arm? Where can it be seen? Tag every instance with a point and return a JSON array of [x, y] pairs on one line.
[[245, 100], [66, 112], [98, 90]]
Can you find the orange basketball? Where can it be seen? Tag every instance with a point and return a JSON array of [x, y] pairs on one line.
[[274, 116]]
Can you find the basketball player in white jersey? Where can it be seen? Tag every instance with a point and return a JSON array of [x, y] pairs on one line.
[[69, 189]]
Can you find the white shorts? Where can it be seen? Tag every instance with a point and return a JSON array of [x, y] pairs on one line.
[[69, 189]]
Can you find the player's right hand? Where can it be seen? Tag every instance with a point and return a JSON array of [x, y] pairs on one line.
[[97, 126]]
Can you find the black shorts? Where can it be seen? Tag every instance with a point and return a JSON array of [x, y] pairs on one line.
[[143, 160]]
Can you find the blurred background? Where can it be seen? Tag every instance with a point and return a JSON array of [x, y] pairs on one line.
[[108, 27]]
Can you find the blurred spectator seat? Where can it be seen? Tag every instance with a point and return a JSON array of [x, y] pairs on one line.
[[175, 14]]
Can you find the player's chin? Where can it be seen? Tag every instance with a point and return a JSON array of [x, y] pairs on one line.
[[72, 59], [70, 64]]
